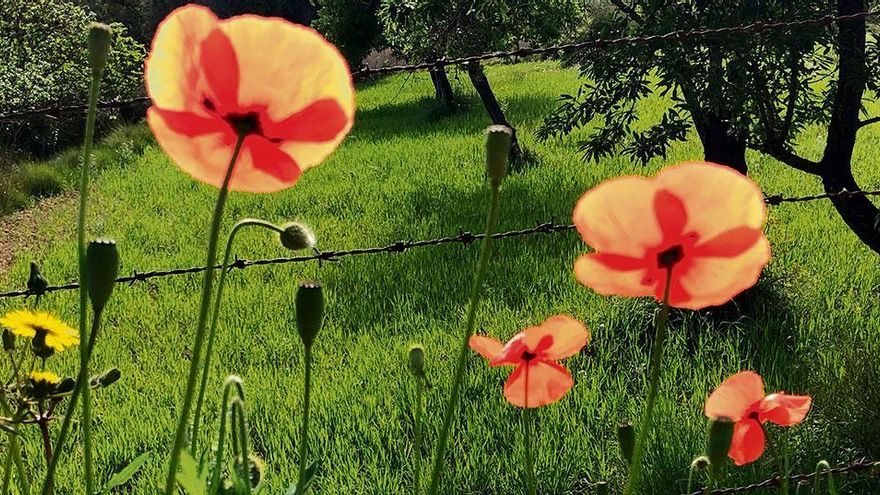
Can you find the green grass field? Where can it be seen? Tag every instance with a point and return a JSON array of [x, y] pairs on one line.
[[409, 172]]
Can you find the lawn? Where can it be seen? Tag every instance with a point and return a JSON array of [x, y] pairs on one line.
[[410, 172]]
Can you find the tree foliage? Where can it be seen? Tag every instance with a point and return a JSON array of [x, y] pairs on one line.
[[352, 25]]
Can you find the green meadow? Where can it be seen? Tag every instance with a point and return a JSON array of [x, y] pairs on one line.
[[411, 171]]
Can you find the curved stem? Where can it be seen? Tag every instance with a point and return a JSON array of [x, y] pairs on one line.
[[207, 288], [79, 389], [644, 432], [304, 431], [417, 451], [221, 439], [215, 317], [482, 267]]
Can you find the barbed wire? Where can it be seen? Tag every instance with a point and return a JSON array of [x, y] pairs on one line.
[[443, 62], [856, 467], [465, 238]]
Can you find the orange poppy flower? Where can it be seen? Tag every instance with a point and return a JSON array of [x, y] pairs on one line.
[[538, 379], [283, 84], [741, 399], [703, 219]]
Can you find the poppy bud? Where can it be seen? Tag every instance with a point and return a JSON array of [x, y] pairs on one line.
[[99, 39], [309, 310], [106, 378], [700, 463], [8, 340], [498, 139], [626, 436], [297, 236], [720, 437], [65, 387], [417, 360], [102, 267], [602, 488], [41, 350], [36, 283]]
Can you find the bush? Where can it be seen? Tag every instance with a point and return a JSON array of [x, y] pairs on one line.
[[44, 63], [41, 180], [352, 25]]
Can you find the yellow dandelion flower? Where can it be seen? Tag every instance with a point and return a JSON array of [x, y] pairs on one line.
[[58, 335], [45, 378]]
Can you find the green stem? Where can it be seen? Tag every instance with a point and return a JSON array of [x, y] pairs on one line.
[[15, 454], [417, 453], [240, 424], [527, 427], [780, 462], [221, 439], [7, 469], [644, 431], [207, 288], [304, 431], [215, 317], [79, 389], [83, 291], [482, 267]]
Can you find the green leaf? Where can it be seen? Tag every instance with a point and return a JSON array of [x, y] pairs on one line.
[[191, 479], [126, 473]]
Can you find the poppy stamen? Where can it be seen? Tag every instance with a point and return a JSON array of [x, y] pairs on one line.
[[528, 356], [245, 124], [669, 257]]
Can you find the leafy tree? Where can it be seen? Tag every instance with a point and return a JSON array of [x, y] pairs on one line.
[[738, 92], [426, 29], [44, 62], [352, 25]]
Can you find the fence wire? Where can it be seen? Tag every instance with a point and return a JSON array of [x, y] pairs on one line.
[[397, 247], [862, 466], [554, 50]]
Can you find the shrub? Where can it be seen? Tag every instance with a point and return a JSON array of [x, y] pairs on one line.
[[352, 25], [41, 180]]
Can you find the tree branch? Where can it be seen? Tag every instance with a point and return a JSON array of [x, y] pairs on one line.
[[629, 11], [872, 120], [788, 157]]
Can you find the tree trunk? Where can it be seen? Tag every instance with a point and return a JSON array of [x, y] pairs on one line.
[[487, 96], [857, 212], [442, 88], [718, 145]]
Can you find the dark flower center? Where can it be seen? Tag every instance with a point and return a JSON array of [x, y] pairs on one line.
[[244, 123], [528, 356], [669, 257]]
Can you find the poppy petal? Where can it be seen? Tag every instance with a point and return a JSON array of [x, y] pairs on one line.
[[748, 442], [543, 382], [219, 64], [716, 198], [712, 281], [559, 337], [733, 398], [605, 275], [263, 167], [191, 124], [512, 352], [613, 217], [287, 69], [323, 120], [730, 243], [670, 213], [172, 67], [784, 409], [487, 347]]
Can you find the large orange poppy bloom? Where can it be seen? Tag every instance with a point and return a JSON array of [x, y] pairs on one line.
[[538, 379], [703, 219], [284, 84], [741, 399]]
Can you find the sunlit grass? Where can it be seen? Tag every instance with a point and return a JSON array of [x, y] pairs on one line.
[[409, 172]]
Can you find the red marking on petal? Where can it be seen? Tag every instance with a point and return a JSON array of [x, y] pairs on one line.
[[321, 121], [729, 243], [192, 124], [619, 262], [269, 158], [219, 64], [671, 215]]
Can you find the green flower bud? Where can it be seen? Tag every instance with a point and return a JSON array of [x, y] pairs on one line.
[[106, 378], [41, 350], [102, 267], [803, 488], [8, 340], [297, 236], [498, 139], [720, 437], [65, 387], [417, 360], [626, 436], [100, 36], [309, 310], [602, 488], [700, 463], [36, 283]]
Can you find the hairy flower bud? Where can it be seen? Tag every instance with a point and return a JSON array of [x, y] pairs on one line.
[[106, 378], [36, 283], [309, 310], [417, 360], [8, 340], [602, 488], [100, 36], [720, 438], [626, 436], [498, 140], [297, 236], [102, 267]]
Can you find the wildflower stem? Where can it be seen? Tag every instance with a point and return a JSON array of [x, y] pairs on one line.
[[15, 455], [417, 450], [635, 469], [7, 471], [304, 431], [225, 407], [207, 289], [215, 317], [482, 267], [80, 388], [780, 462], [527, 427]]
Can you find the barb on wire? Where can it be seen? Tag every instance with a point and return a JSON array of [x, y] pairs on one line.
[[861, 466], [554, 50], [464, 238]]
